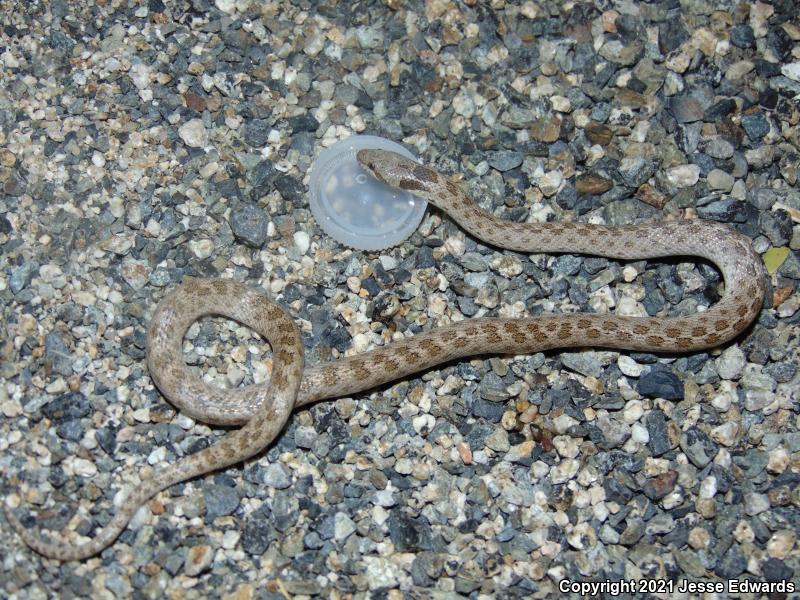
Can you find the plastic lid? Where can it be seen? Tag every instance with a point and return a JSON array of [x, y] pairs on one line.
[[355, 208]]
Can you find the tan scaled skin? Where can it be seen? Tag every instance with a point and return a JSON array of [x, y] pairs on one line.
[[264, 409]]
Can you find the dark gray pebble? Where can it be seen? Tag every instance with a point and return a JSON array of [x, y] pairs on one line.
[[742, 36], [720, 109], [776, 570], [70, 430], [493, 388], [485, 409], [671, 34], [22, 275], [258, 533], [656, 424], [727, 210], [504, 160], [698, 447], [777, 226], [660, 382], [69, 406], [256, 132], [755, 125], [57, 352], [686, 109], [220, 500], [732, 564], [249, 225], [262, 175], [781, 372], [409, 534]]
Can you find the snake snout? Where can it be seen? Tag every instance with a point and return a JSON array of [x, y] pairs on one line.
[[369, 157], [371, 162]]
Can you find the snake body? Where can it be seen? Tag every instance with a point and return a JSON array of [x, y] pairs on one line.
[[263, 410]]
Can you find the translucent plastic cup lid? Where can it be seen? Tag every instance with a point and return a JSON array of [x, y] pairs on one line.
[[355, 208]]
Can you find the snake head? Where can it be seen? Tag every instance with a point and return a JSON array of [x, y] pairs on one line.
[[389, 167]]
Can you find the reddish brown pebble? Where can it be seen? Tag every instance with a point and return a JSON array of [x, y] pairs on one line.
[[660, 485], [593, 184], [194, 102], [465, 453], [650, 195], [156, 507], [599, 133], [781, 295], [631, 98], [546, 130]]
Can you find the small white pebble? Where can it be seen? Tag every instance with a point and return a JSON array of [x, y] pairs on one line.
[[226, 6], [84, 298], [629, 273], [56, 387], [185, 422], [157, 456], [140, 74], [404, 466], [564, 471], [628, 307], [699, 538], [302, 241], [639, 433], [230, 538], [140, 517], [781, 543], [82, 467], [454, 245], [633, 411], [743, 533], [235, 376], [755, 503], [562, 423], [357, 124], [725, 434], [142, 415], [560, 104], [11, 408], [354, 284], [380, 515], [683, 175], [437, 305], [550, 182], [194, 133], [385, 497], [628, 366], [388, 262], [778, 460], [722, 401], [566, 446], [506, 265], [423, 424], [540, 469], [708, 487], [450, 385], [202, 248]]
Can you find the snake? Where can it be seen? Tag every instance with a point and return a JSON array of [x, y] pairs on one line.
[[262, 410]]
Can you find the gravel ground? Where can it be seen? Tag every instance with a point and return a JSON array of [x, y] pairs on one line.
[[145, 142]]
